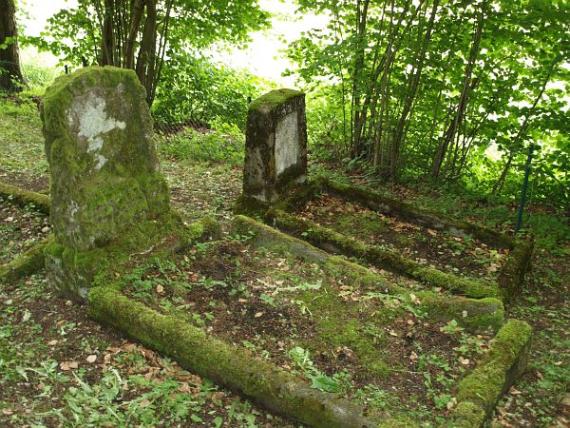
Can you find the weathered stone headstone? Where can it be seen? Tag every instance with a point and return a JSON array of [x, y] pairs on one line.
[[106, 190], [276, 144]]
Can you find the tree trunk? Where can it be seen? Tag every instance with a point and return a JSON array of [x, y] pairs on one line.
[[410, 96], [449, 135], [108, 34], [362, 18], [136, 16], [145, 68], [11, 76]]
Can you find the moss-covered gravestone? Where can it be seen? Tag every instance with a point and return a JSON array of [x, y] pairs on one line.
[[108, 198], [276, 144]]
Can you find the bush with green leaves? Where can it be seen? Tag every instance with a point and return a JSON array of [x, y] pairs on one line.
[[224, 143], [200, 90]]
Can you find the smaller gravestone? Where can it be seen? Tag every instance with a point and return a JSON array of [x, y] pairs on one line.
[[276, 144], [106, 191]]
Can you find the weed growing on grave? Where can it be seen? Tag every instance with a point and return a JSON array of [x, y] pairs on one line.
[[339, 382]]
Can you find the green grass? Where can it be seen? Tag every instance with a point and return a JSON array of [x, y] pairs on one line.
[[21, 141], [224, 144]]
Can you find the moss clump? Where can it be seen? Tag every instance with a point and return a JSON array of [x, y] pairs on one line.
[[73, 272], [504, 362], [365, 225], [274, 99], [338, 324], [25, 197], [473, 314], [30, 262], [467, 415], [250, 206], [266, 236], [331, 240], [227, 365]]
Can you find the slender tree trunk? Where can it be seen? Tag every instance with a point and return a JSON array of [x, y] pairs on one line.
[[108, 34], [145, 68], [455, 124], [395, 37], [11, 76], [161, 49], [136, 16], [411, 95], [357, 80]]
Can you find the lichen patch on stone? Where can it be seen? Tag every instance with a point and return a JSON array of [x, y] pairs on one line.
[[93, 121], [286, 142]]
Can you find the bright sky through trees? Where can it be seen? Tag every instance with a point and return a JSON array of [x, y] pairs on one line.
[[263, 56]]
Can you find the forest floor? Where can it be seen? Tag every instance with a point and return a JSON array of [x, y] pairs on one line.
[[60, 368]]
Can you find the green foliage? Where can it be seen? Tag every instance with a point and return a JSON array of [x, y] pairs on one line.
[[38, 77], [337, 383], [21, 142], [225, 143], [405, 98], [198, 89], [74, 33]]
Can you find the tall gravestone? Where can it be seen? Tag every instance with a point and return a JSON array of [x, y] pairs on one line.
[[276, 145], [106, 190]]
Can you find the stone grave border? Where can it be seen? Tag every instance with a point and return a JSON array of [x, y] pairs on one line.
[[510, 277], [271, 386], [480, 390]]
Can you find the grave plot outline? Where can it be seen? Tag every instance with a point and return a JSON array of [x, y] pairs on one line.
[[279, 212], [275, 388], [509, 279]]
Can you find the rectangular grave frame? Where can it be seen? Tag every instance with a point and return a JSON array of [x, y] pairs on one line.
[[509, 279]]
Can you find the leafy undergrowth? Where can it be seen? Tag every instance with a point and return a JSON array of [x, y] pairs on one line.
[[451, 253], [59, 368], [369, 346]]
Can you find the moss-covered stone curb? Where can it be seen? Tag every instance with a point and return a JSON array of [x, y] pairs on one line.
[[512, 274], [227, 365], [407, 211], [330, 240], [28, 263], [25, 198], [474, 314], [478, 393]]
